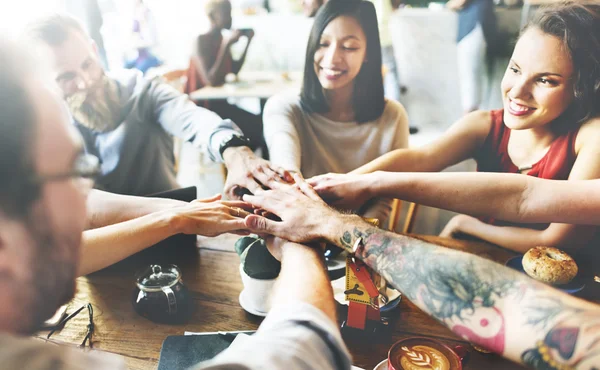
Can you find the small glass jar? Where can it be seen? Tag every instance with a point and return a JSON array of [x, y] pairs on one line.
[[160, 295]]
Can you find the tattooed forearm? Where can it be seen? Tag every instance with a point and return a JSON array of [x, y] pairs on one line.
[[450, 285], [482, 301], [456, 288]]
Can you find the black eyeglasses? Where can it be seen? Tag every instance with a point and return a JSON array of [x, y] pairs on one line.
[[90, 327], [86, 166]]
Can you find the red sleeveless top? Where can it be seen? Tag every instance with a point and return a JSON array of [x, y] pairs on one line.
[[555, 165], [493, 157]]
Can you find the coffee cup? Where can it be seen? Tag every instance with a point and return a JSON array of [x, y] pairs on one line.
[[256, 296], [424, 353]]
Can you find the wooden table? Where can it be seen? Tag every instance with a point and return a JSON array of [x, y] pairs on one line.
[[211, 273], [261, 85]]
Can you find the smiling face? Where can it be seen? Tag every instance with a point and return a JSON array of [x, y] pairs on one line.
[[341, 53], [75, 65], [537, 86]]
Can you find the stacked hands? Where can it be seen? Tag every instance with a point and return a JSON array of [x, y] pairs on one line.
[[280, 203], [272, 202], [277, 202]]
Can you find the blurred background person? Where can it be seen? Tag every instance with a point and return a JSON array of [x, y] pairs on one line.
[[143, 39], [391, 76], [476, 34], [211, 61]]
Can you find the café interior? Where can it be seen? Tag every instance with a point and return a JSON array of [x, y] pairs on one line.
[[448, 72]]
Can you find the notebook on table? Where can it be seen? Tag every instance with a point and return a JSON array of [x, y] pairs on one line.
[[180, 352], [185, 351]]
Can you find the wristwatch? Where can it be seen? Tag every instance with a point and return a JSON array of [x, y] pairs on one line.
[[233, 141]]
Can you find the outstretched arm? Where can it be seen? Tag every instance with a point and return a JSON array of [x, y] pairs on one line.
[[104, 246], [106, 208], [460, 142], [302, 319], [487, 303], [510, 197]]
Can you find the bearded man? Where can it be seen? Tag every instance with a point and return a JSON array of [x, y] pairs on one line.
[[125, 119]]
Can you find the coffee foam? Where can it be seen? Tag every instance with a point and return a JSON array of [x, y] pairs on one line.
[[422, 357], [422, 354]]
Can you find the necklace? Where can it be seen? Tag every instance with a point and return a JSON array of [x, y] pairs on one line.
[[525, 168]]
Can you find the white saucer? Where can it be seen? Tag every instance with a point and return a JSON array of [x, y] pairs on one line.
[[383, 365], [244, 303]]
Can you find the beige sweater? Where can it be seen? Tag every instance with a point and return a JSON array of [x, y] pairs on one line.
[[314, 145]]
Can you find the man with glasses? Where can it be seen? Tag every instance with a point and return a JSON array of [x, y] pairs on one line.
[[42, 212]]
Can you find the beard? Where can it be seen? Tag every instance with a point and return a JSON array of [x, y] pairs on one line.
[[53, 265], [100, 113]]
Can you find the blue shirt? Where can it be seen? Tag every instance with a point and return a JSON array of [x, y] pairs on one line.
[[477, 11]]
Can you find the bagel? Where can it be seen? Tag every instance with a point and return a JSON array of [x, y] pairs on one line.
[[549, 265]]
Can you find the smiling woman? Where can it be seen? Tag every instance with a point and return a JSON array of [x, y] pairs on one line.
[[344, 47], [341, 120], [549, 127]]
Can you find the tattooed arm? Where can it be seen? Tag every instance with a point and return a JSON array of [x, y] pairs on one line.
[[488, 304], [482, 301]]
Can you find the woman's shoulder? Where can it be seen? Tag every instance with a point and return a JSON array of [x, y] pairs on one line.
[[283, 104], [589, 133], [284, 100], [480, 125], [394, 110]]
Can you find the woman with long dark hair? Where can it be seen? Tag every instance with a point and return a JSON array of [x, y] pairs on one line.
[[341, 119]]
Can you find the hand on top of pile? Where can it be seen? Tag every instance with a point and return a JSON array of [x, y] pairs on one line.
[[344, 191], [303, 214]]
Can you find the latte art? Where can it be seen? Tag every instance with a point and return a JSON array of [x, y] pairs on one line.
[[422, 357], [425, 354]]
